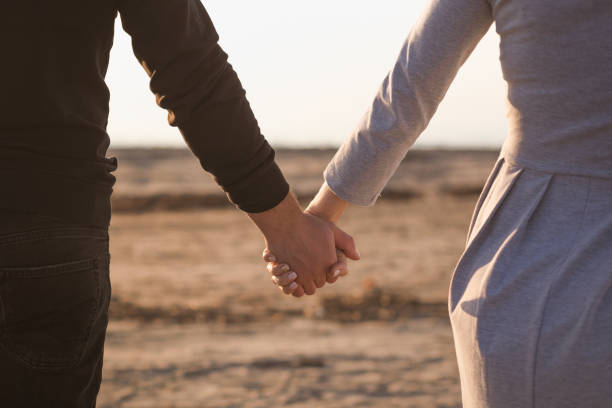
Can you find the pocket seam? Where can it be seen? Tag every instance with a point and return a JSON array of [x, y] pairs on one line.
[[35, 272], [55, 232]]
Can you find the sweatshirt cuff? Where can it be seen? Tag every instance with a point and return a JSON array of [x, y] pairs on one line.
[[262, 191]]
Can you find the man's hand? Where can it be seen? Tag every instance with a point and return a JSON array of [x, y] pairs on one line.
[[304, 241], [328, 208]]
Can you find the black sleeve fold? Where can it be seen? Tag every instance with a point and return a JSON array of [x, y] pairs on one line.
[[176, 43]]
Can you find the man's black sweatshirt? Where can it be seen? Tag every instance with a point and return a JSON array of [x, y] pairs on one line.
[[54, 104]]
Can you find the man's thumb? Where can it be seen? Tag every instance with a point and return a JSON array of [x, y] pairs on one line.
[[345, 243]]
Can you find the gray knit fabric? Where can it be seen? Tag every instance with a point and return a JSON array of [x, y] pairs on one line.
[[531, 298]]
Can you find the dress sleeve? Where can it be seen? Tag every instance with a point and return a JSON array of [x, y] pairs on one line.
[[176, 42], [437, 46]]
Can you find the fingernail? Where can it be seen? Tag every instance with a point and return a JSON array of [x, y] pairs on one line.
[[292, 276], [285, 268], [358, 254], [292, 286], [272, 258], [336, 273]]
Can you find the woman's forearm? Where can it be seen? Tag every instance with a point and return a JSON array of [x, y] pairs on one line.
[[327, 205]]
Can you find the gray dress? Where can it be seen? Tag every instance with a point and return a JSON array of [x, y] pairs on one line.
[[531, 297]]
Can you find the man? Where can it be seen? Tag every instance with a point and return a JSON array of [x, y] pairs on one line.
[[56, 180]]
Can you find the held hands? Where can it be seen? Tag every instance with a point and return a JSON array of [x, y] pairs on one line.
[[310, 251], [284, 277], [304, 250]]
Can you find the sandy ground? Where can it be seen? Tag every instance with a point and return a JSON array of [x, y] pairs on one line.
[[197, 323], [300, 363]]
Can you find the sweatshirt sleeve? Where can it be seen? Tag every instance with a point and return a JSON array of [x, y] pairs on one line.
[[440, 42], [177, 44]]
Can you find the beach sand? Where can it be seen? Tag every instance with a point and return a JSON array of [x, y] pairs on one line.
[[196, 322]]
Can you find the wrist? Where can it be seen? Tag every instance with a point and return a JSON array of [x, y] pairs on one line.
[[280, 219], [327, 205]]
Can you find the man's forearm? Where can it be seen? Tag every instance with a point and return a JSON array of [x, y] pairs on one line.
[[280, 219], [177, 44]]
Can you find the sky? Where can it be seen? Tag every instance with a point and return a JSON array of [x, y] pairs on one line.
[[310, 70]]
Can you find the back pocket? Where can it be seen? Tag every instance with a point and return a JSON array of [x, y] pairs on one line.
[[46, 313]]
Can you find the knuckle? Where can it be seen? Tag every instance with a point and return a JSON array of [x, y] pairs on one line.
[[280, 269]]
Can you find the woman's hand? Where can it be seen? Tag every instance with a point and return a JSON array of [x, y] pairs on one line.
[[285, 278], [282, 275], [327, 205]]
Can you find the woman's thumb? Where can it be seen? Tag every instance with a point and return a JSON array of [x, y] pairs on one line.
[[345, 243]]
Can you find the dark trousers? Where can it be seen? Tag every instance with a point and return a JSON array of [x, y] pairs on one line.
[[54, 297]]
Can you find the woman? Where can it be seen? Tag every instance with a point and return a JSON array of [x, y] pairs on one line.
[[531, 297]]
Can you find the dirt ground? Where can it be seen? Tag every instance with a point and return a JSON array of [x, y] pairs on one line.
[[196, 321]]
